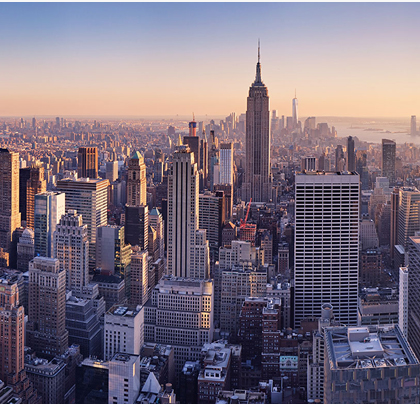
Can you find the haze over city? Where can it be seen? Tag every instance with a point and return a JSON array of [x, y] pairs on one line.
[[165, 59]]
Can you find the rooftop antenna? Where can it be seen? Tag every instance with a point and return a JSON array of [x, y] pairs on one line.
[[258, 50]]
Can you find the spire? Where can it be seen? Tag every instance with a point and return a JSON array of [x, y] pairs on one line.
[[258, 74], [179, 142], [295, 92], [193, 117]]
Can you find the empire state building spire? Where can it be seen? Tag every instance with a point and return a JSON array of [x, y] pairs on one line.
[[258, 80]]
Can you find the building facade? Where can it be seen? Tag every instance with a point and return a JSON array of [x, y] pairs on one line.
[[326, 245]]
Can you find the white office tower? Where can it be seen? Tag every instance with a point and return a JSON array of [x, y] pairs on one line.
[[49, 207], [368, 235], [124, 379], [238, 253], [111, 168], [180, 313], [71, 247], [226, 164], [183, 216], [123, 330], [403, 301], [156, 221], [326, 244]]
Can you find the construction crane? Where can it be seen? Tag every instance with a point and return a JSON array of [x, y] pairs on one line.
[[243, 222]]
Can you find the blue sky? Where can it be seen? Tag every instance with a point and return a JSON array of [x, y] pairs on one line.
[[349, 59]]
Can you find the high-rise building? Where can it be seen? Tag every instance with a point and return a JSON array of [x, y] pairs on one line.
[[228, 195], [25, 250], [31, 182], [139, 276], [403, 301], [326, 245], [12, 338], [9, 197], [112, 253], [49, 207], [180, 313], [89, 198], [408, 215], [295, 111], [124, 383], [137, 225], [361, 168], [212, 218], [351, 157], [413, 295], [193, 142], [71, 247], [158, 166], [226, 163], [12, 324], [111, 171], [388, 160], [136, 182], [413, 129], [340, 160], [87, 162], [395, 206], [257, 171], [123, 330], [156, 221], [183, 213], [46, 329]]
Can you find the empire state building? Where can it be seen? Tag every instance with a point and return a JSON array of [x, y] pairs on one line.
[[257, 183]]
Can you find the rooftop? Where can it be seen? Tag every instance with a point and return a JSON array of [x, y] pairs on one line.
[[367, 347], [124, 311]]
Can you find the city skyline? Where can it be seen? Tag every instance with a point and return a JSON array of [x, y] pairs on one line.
[[141, 59]]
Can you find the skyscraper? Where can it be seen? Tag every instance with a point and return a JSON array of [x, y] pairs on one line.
[[87, 162], [326, 245], [89, 198], [408, 214], [182, 212], [413, 131], [111, 170], [413, 294], [9, 197], [12, 342], [184, 238], [388, 160], [31, 182], [49, 207], [351, 157], [257, 172], [295, 111], [46, 329], [71, 247], [136, 183], [226, 163]]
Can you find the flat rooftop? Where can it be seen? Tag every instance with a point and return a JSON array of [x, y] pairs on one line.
[[367, 347], [123, 311]]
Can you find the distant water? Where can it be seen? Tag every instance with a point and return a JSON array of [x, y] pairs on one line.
[[372, 129]]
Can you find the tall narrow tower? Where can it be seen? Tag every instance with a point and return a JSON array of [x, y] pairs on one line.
[[388, 160], [257, 176], [136, 183], [295, 111], [9, 197], [351, 157]]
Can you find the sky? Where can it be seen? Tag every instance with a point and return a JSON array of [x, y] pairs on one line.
[[164, 59]]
